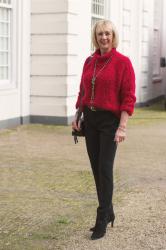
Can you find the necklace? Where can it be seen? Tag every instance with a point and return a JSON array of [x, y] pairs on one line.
[[95, 76]]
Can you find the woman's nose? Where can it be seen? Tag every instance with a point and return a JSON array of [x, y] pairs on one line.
[[104, 36]]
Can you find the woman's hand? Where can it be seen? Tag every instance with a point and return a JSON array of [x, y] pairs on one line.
[[120, 135], [76, 125]]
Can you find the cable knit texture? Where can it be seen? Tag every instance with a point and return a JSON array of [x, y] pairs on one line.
[[114, 85]]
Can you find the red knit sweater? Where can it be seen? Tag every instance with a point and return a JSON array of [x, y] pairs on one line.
[[114, 85]]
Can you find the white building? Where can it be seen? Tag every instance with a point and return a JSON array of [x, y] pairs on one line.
[[43, 44]]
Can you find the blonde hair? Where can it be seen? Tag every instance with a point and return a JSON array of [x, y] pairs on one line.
[[101, 24]]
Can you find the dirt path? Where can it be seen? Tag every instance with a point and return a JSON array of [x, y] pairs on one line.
[[47, 196], [140, 215]]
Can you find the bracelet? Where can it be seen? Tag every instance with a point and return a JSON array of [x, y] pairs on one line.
[[122, 128]]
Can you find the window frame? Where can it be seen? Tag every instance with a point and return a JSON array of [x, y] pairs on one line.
[[10, 83], [99, 17], [156, 52], [156, 40], [96, 16]]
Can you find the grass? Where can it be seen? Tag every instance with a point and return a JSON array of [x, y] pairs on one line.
[[33, 214], [42, 198], [149, 114], [46, 189]]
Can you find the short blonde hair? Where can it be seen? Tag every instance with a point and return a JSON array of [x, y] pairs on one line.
[[101, 24]]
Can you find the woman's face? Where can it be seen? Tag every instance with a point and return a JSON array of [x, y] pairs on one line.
[[104, 37]]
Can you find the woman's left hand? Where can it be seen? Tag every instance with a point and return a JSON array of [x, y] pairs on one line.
[[120, 135]]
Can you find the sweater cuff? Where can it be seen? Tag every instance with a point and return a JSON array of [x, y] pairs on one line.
[[129, 110]]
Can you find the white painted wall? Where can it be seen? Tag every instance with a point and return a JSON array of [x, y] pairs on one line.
[[59, 47], [60, 42], [48, 57], [61, 38], [163, 47], [24, 58], [135, 21], [53, 56], [82, 48]]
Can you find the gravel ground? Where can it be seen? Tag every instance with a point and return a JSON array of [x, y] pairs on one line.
[[46, 186], [140, 216]]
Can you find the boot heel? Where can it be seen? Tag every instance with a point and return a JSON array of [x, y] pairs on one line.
[[112, 223]]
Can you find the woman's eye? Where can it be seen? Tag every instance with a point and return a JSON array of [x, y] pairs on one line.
[[104, 33]]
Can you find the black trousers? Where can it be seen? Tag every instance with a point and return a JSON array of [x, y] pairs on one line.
[[100, 128]]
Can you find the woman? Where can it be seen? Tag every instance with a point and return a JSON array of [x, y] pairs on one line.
[[107, 96]]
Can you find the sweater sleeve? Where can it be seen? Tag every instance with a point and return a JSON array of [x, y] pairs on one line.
[[77, 105], [79, 93], [127, 92]]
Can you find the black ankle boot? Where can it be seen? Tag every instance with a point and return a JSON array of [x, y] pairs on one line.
[[102, 221], [100, 229], [111, 219]]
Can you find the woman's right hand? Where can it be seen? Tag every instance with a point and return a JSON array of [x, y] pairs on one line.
[[75, 125]]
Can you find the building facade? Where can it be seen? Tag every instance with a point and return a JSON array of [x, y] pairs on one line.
[[43, 44]]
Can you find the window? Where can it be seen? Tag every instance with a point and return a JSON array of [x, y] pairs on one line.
[[156, 52], [98, 12], [156, 37], [5, 40]]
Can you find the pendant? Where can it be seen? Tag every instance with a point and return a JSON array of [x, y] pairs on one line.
[[93, 81]]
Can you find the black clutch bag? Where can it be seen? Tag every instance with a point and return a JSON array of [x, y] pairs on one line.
[[79, 119]]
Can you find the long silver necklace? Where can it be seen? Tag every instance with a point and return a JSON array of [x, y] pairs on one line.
[[95, 76]]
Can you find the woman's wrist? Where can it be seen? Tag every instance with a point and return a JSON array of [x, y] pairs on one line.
[[122, 128], [76, 114]]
